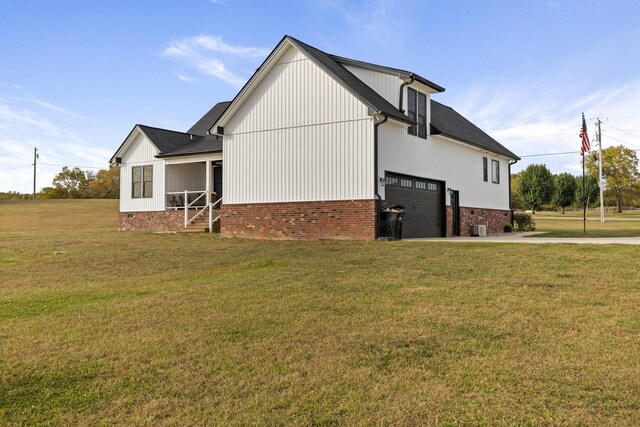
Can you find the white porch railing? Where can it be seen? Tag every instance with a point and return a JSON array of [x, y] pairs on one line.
[[192, 201], [211, 207]]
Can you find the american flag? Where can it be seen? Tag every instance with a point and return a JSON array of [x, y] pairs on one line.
[[584, 137]]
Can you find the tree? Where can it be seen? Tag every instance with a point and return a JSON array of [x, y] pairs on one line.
[[106, 184], [71, 183], [564, 191], [535, 186], [516, 199], [619, 170], [591, 191]]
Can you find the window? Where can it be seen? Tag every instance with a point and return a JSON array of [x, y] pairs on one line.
[[495, 171], [406, 183], [141, 182], [422, 115], [136, 189], [485, 169], [421, 185], [432, 186], [411, 109], [417, 112], [392, 180]]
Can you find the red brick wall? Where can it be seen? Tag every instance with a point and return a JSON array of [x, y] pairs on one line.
[[155, 220], [494, 219], [344, 219]]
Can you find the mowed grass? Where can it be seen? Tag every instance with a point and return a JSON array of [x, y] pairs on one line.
[[105, 327], [555, 224]]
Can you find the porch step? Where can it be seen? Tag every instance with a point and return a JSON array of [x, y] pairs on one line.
[[200, 224]]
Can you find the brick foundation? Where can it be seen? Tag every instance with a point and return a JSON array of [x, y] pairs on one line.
[[494, 219], [343, 219], [155, 220]]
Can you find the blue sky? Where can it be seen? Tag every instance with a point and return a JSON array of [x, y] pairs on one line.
[[75, 76]]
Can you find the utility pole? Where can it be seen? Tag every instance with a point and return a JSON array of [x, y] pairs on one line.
[[35, 162], [600, 172]]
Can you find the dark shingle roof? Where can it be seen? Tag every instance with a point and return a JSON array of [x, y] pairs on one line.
[[202, 126], [448, 122], [356, 86], [172, 143], [386, 69]]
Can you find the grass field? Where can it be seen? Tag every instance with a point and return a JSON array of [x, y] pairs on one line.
[[570, 224], [105, 327]]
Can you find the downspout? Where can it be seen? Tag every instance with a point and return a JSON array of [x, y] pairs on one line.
[[375, 156], [510, 196], [404, 83], [375, 171]]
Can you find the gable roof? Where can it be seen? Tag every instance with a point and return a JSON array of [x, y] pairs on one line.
[[172, 143], [331, 66], [202, 126], [448, 122], [357, 87]]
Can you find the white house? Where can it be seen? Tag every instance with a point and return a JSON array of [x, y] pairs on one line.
[[313, 146]]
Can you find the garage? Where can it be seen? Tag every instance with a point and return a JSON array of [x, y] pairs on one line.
[[423, 200]]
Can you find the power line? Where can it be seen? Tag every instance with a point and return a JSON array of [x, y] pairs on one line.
[[559, 154], [535, 137], [616, 139], [85, 167], [17, 167], [624, 131], [551, 154]]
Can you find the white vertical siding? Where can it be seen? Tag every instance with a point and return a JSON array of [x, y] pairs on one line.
[[300, 136], [186, 176], [459, 165], [323, 162], [141, 152], [387, 85], [295, 93]]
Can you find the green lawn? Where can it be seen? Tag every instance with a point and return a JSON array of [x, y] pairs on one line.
[[555, 224], [105, 327]]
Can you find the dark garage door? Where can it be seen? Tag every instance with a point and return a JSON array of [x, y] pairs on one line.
[[423, 200]]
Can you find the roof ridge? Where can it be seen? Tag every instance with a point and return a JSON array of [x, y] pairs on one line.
[[166, 130]]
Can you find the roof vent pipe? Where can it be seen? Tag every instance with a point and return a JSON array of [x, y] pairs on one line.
[[405, 82]]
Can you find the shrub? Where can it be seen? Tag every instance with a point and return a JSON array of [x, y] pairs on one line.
[[508, 228], [523, 222]]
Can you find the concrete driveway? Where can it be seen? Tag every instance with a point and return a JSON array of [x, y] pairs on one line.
[[523, 238]]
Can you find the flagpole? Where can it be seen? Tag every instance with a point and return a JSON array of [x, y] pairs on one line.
[[584, 203], [582, 151]]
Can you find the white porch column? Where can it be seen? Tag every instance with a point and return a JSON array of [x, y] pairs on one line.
[[208, 185]]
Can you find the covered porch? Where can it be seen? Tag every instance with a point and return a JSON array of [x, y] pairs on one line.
[[193, 185]]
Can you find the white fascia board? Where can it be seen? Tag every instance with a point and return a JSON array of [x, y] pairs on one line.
[[192, 159], [127, 143], [423, 87]]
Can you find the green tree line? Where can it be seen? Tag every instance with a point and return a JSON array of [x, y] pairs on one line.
[[75, 183], [536, 187]]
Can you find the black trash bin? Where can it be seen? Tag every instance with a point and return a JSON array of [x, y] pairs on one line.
[[391, 222]]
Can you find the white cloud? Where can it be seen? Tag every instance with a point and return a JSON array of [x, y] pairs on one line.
[[211, 56], [184, 78], [528, 121], [27, 122]]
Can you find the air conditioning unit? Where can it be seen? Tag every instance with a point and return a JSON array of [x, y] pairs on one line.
[[480, 230]]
